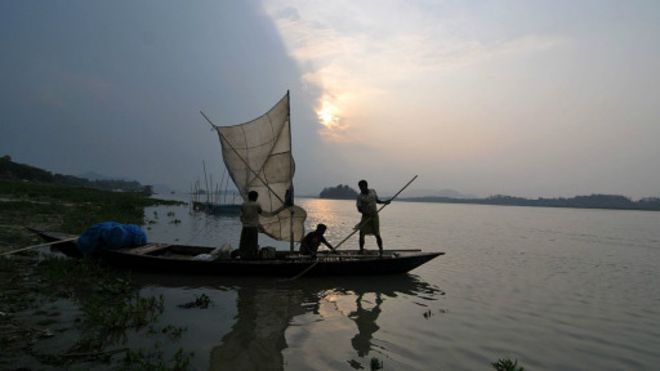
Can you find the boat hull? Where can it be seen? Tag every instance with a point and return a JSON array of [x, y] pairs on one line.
[[178, 259], [276, 267]]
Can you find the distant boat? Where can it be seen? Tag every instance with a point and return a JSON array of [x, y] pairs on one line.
[[213, 202]]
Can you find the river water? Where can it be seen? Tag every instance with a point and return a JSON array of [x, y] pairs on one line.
[[556, 289]]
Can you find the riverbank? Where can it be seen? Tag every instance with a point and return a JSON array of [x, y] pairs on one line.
[[64, 313], [595, 201]]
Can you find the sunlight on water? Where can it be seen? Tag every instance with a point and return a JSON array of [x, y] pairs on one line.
[[557, 289]]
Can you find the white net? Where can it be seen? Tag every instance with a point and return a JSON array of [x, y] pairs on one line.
[[258, 156]]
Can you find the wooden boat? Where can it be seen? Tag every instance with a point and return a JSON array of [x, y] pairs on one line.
[[174, 259]]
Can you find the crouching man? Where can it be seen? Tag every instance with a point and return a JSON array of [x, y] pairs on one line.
[[311, 242]]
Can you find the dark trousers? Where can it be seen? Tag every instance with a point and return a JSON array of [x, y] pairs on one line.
[[249, 245]]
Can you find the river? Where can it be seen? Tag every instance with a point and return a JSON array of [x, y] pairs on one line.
[[554, 288]]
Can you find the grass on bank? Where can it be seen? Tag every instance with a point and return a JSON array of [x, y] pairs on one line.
[[109, 308], [63, 209], [73, 208]]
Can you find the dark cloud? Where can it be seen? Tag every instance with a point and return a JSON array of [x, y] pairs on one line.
[[116, 87]]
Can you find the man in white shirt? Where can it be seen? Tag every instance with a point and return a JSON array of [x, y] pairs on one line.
[[366, 205]]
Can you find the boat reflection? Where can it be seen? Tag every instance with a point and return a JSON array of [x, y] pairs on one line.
[[267, 308]]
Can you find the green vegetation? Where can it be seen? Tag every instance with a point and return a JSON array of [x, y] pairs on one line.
[[109, 308], [202, 301], [596, 201], [87, 310], [62, 208], [376, 364], [505, 364], [13, 171]]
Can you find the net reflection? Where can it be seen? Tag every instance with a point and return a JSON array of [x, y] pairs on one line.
[[266, 308], [257, 339]]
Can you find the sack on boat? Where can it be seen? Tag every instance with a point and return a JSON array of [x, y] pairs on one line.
[[223, 252], [203, 257], [110, 235], [219, 253]]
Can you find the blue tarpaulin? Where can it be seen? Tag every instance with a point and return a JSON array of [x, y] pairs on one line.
[[110, 235]]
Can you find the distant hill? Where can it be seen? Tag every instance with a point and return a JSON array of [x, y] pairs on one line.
[[13, 171], [594, 201], [340, 192], [422, 192], [92, 175]]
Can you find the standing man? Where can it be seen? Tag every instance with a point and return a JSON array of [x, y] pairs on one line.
[[369, 224], [250, 211]]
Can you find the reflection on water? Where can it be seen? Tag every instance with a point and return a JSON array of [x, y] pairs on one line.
[[266, 309], [558, 289], [257, 337], [366, 323]]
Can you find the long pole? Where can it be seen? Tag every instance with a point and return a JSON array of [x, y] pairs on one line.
[[226, 187], [40, 245], [206, 182], [288, 107], [222, 199]]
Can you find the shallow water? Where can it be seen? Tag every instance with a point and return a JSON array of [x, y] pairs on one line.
[[557, 289]]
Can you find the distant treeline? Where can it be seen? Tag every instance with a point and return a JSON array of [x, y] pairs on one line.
[[13, 171], [595, 201], [341, 192]]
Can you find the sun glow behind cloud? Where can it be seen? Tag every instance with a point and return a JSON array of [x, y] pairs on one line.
[[328, 114], [372, 53]]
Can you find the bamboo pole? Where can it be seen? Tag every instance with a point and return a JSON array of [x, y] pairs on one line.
[[206, 182], [39, 245]]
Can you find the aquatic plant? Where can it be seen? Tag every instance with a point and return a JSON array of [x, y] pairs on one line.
[[376, 364], [201, 301], [506, 364], [110, 309]]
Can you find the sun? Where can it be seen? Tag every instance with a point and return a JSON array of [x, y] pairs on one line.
[[328, 114]]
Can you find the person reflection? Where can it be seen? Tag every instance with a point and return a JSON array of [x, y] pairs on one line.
[[367, 312], [257, 339], [365, 319]]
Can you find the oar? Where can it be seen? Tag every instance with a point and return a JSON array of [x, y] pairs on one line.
[[357, 228], [39, 245]]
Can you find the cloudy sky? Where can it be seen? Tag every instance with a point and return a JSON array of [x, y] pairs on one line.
[[527, 98]]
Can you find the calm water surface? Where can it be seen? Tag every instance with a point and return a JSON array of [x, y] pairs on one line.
[[557, 289]]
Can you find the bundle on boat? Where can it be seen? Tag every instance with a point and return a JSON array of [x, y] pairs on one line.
[[110, 235]]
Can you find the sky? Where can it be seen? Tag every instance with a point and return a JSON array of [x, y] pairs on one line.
[[524, 98]]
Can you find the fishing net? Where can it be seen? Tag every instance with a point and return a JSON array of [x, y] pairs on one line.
[[258, 157]]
